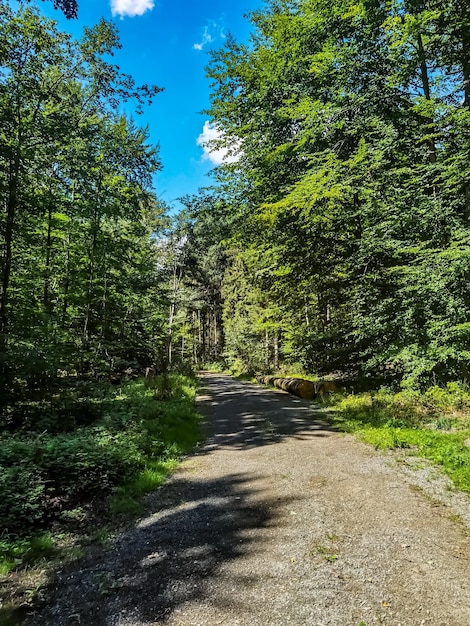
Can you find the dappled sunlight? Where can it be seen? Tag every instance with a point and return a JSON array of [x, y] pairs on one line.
[[246, 416], [195, 527]]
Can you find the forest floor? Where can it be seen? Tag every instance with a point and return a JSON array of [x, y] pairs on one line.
[[279, 520]]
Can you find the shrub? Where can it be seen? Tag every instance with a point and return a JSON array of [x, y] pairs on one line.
[[22, 489], [43, 475]]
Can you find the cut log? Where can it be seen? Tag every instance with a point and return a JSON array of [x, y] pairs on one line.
[[299, 387]]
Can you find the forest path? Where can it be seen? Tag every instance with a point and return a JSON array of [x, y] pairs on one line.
[[276, 520]]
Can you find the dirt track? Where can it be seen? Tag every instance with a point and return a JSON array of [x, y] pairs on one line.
[[277, 520]]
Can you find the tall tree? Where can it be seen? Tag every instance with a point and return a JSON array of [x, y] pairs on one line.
[[351, 119], [77, 259]]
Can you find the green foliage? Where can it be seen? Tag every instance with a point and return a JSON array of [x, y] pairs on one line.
[[40, 474], [215, 366], [453, 396], [69, 7], [79, 289], [14, 553], [23, 491], [352, 186], [127, 500], [197, 258], [134, 443]]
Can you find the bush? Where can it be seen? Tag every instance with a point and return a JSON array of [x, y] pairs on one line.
[[453, 396], [43, 475], [22, 500], [418, 421], [39, 477]]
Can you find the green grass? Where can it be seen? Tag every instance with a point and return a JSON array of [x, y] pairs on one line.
[[127, 499], [432, 425], [21, 552]]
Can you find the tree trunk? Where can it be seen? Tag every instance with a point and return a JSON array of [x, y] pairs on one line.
[[276, 350], [6, 267], [170, 332], [65, 303], [91, 277], [204, 336], [47, 269], [193, 333], [91, 268], [176, 280], [266, 349], [8, 245], [427, 93]]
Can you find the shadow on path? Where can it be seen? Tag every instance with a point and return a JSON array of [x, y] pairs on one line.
[[169, 559], [243, 415], [194, 526]]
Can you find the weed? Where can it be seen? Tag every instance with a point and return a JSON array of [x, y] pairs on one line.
[[99, 536], [327, 554], [442, 423], [16, 552], [127, 499], [456, 518]]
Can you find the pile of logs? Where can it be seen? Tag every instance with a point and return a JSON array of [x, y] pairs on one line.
[[298, 387]]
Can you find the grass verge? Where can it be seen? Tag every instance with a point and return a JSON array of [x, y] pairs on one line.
[[434, 425]]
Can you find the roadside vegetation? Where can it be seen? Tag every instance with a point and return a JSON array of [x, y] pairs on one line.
[[86, 271], [434, 425], [78, 471], [335, 242]]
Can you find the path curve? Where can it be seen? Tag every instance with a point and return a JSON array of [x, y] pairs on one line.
[[276, 521]]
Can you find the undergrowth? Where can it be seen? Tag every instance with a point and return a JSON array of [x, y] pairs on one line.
[[434, 425], [51, 480]]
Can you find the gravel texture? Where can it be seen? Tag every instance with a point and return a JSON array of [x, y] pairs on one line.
[[278, 520]]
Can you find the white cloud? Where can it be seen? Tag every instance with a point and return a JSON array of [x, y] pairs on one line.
[[216, 155], [212, 31], [206, 38], [131, 8]]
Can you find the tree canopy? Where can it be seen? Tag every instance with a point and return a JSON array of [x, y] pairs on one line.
[[349, 201], [79, 286], [337, 237], [68, 7]]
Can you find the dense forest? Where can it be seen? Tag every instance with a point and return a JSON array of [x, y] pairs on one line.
[[338, 235], [334, 240], [86, 283], [78, 277]]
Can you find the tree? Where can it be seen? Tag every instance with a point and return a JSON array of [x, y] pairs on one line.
[[351, 121], [68, 7], [78, 277], [199, 263]]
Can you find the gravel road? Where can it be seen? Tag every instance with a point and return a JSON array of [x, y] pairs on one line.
[[278, 520]]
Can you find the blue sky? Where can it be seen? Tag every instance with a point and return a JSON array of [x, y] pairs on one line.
[[165, 42]]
